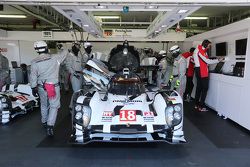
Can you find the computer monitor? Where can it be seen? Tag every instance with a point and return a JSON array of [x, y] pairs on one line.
[[241, 47], [221, 49], [14, 64]]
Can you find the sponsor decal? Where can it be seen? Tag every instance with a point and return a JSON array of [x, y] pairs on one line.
[[22, 98], [127, 115], [107, 116], [148, 116]]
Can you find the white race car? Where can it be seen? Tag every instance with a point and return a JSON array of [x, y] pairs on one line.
[[123, 109], [16, 100]]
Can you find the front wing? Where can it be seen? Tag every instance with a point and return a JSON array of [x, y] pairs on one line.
[[122, 133]]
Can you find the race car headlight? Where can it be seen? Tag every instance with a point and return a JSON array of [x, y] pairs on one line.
[[4, 100], [78, 108], [174, 115], [177, 108], [78, 115], [86, 115], [3, 103]]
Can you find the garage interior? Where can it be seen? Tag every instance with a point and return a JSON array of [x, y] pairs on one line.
[[219, 137]]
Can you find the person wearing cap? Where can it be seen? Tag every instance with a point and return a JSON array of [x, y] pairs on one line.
[[202, 61], [178, 77], [189, 73], [4, 70], [75, 64], [44, 80]]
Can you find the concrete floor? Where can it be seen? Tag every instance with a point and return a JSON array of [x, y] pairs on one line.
[[212, 142]]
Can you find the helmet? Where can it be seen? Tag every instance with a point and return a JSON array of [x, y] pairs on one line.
[[125, 44], [40, 46], [175, 51], [87, 44]]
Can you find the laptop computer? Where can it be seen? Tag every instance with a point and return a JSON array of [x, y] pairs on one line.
[[218, 68]]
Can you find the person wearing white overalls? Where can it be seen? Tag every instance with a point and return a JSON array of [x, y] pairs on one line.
[[178, 78], [44, 78]]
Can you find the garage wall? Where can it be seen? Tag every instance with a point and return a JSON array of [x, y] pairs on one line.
[[10, 49], [27, 52]]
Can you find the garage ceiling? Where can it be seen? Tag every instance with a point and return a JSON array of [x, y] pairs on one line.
[[47, 18]]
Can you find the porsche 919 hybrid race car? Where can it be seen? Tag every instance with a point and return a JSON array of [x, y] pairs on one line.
[[122, 108], [16, 100]]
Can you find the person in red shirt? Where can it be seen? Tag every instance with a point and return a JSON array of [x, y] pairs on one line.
[[189, 73], [202, 61]]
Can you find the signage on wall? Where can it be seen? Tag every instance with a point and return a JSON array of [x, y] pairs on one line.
[[124, 33], [108, 33], [3, 49], [47, 34]]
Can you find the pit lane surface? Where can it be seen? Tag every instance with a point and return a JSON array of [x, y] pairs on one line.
[[212, 142]]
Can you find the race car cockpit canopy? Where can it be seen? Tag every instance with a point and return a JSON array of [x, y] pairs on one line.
[[124, 56], [126, 83]]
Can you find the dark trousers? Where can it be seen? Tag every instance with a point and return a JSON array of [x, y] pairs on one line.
[[189, 86], [201, 89]]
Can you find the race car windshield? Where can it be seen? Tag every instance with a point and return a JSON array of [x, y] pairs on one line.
[[126, 88]]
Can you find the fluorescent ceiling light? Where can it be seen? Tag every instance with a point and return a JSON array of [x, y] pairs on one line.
[[183, 11], [108, 17], [11, 44], [12, 16], [196, 18], [151, 7], [100, 6]]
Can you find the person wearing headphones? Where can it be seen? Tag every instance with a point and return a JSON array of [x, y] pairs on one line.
[[75, 64], [88, 51], [178, 78], [44, 80]]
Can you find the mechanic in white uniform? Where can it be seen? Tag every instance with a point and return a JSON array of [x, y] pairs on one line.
[[89, 54], [44, 78], [75, 64], [166, 68], [162, 67], [178, 78], [63, 72], [4, 70]]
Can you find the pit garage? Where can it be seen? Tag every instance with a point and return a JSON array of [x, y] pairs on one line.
[[131, 107]]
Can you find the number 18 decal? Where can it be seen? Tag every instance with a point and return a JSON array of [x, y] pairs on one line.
[[127, 115]]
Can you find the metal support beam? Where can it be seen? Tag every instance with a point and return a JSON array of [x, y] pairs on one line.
[[36, 12], [81, 2], [166, 20], [81, 18]]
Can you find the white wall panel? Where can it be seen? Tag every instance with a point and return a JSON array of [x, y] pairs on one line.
[[12, 52], [27, 52]]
